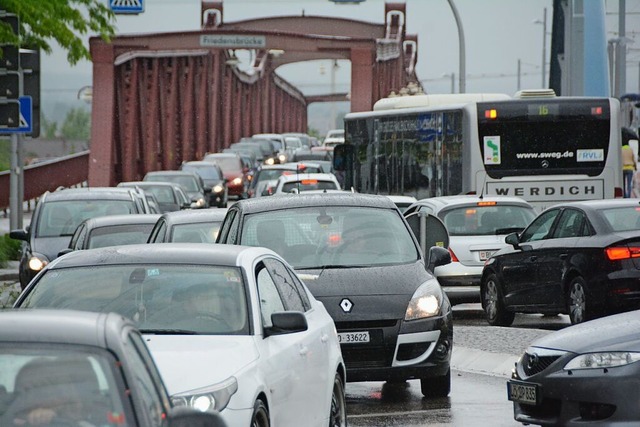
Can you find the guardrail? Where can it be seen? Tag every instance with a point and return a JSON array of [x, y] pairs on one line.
[[66, 171]]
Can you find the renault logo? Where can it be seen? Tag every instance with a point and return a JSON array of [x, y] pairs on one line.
[[346, 305]]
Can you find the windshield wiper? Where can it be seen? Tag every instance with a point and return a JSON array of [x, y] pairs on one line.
[[329, 267], [168, 332]]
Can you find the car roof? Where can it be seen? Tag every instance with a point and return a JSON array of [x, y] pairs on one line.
[[168, 173], [465, 199], [264, 204], [200, 163], [300, 176], [89, 193], [195, 215], [599, 204], [59, 326], [143, 184], [103, 221], [159, 253]]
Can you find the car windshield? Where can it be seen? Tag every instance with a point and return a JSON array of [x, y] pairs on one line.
[[623, 219], [76, 384], [206, 172], [227, 163], [188, 182], [128, 234], [164, 194], [332, 236], [158, 297], [61, 218], [198, 232], [485, 220]]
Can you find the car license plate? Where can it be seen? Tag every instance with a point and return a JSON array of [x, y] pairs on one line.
[[522, 392], [353, 337], [485, 255]]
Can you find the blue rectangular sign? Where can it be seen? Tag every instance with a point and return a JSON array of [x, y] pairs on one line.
[[126, 6], [26, 119]]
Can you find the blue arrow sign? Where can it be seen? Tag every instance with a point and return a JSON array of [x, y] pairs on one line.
[[127, 6], [26, 117]]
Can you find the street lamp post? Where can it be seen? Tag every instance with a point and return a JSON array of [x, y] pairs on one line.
[[544, 46], [462, 73]]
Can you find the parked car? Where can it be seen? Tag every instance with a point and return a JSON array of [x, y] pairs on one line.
[[195, 226], [477, 228], [299, 183], [234, 172], [113, 230], [231, 328], [583, 375], [73, 368], [578, 258], [191, 182], [58, 214], [359, 257], [169, 196], [215, 184]]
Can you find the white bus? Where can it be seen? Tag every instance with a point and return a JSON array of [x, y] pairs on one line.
[[542, 148]]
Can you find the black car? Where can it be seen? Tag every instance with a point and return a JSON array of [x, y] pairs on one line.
[[191, 182], [72, 368], [194, 226], [358, 256], [578, 258], [58, 214], [215, 185], [169, 196], [112, 230], [583, 375]]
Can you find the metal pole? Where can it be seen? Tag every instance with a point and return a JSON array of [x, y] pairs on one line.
[[334, 65], [544, 49], [462, 85], [453, 82], [519, 68], [14, 184], [621, 57], [20, 153]]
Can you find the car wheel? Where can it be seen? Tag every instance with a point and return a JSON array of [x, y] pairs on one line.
[[338, 413], [578, 306], [260, 417], [436, 387], [494, 309]]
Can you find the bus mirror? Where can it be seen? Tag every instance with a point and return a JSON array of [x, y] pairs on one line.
[[342, 154]]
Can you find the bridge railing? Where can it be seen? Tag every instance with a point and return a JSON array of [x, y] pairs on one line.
[[67, 171]]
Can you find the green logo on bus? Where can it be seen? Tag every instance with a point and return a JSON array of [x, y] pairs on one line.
[[491, 150]]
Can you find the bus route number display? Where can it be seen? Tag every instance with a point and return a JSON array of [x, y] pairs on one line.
[[542, 110]]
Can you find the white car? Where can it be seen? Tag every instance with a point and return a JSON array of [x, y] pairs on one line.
[[477, 227], [231, 328], [297, 183]]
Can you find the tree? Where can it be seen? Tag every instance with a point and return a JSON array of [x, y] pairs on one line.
[[61, 20], [77, 125]]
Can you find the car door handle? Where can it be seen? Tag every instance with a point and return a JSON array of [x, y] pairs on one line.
[[324, 338], [304, 350]]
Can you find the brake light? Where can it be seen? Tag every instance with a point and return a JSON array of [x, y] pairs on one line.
[[490, 114], [454, 258], [487, 203], [618, 253], [309, 181], [596, 111]]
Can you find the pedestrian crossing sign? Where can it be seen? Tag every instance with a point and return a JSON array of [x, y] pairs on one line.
[[126, 6]]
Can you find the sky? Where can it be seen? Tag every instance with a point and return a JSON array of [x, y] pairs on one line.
[[498, 35]]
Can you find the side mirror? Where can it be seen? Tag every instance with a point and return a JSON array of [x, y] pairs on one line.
[[438, 256], [286, 322], [65, 251], [513, 239], [19, 235], [188, 417]]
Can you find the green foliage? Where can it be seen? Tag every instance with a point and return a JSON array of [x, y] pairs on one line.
[[47, 128], [9, 250], [5, 154], [77, 125], [64, 21]]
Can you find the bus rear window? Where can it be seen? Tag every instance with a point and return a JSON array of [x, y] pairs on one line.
[[543, 138]]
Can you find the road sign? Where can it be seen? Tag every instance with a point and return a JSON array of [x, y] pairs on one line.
[[25, 119], [126, 6]]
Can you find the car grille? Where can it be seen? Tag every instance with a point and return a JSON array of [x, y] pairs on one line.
[[534, 364]]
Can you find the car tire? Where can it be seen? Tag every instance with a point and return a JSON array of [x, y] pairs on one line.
[[338, 410], [260, 417], [437, 386], [493, 304], [578, 305]]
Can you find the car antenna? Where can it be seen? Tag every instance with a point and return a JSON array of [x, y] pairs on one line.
[[484, 182]]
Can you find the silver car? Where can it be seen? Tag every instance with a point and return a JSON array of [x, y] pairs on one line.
[[477, 226]]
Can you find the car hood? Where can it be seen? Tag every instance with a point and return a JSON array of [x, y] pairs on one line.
[[352, 294], [616, 332], [187, 362], [50, 246]]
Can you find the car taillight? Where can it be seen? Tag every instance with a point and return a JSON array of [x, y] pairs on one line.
[[617, 253], [454, 258]]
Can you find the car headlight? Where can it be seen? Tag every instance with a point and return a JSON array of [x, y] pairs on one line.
[[425, 302], [282, 158], [37, 262], [218, 189], [270, 161], [198, 203], [237, 181], [211, 398], [606, 359]]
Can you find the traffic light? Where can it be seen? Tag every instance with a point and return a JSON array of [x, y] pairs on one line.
[[30, 66], [9, 77]]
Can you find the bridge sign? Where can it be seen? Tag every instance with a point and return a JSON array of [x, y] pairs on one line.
[[126, 6], [26, 117]]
